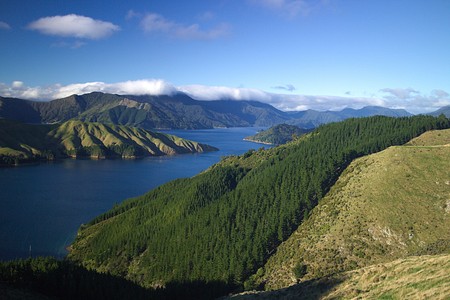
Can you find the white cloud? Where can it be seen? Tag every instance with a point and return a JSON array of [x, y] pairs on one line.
[[131, 14], [287, 87], [206, 16], [155, 23], [72, 45], [400, 93], [202, 92], [289, 8], [415, 102], [4, 26], [17, 84], [74, 26], [137, 87]]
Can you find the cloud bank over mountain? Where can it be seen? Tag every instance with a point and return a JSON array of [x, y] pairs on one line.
[[408, 98]]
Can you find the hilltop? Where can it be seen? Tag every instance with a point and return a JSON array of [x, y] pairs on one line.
[[24, 142], [385, 206]]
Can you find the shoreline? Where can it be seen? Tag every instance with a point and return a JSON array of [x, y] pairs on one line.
[[259, 142]]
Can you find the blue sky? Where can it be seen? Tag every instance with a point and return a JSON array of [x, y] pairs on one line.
[[293, 54]]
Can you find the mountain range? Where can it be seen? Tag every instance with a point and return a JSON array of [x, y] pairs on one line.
[[151, 112], [175, 112]]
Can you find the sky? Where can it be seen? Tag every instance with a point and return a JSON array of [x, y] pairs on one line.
[[293, 54]]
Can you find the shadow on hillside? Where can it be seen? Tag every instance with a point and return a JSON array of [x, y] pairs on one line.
[[62, 279], [193, 290], [310, 290]]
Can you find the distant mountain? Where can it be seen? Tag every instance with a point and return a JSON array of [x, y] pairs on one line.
[[151, 112], [312, 118], [443, 110], [177, 112], [21, 142], [277, 135]]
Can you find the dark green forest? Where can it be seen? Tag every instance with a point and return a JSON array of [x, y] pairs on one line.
[[278, 134], [48, 278], [223, 224]]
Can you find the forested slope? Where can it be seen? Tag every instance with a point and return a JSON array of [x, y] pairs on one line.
[[278, 134], [223, 224]]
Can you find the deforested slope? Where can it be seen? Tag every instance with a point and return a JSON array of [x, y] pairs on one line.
[[21, 142], [415, 277], [384, 206], [222, 225]]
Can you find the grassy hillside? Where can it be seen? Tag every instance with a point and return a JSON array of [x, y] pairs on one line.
[[23, 142], [416, 277], [385, 206], [222, 225], [278, 134]]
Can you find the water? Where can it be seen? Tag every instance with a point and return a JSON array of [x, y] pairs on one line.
[[42, 206]]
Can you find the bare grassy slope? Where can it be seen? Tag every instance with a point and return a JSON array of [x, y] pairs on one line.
[[19, 141], [385, 206], [417, 277]]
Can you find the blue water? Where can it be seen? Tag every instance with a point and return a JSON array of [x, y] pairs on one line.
[[43, 205]]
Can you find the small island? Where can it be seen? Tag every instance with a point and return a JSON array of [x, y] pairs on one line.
[[277, 135], [24, 143]]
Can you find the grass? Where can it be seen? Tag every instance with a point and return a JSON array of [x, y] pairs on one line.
[[393, 280], [29, 141], [385, 206]]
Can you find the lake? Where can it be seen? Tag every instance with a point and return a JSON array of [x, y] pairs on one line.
[[43, 205]]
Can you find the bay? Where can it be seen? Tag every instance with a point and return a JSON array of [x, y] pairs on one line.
[[43, 205]]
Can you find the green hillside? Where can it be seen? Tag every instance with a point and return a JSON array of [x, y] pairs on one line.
[[223, 224], [150, 112], [23, 142], [416, 277], [277, 135], [385, 206]]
